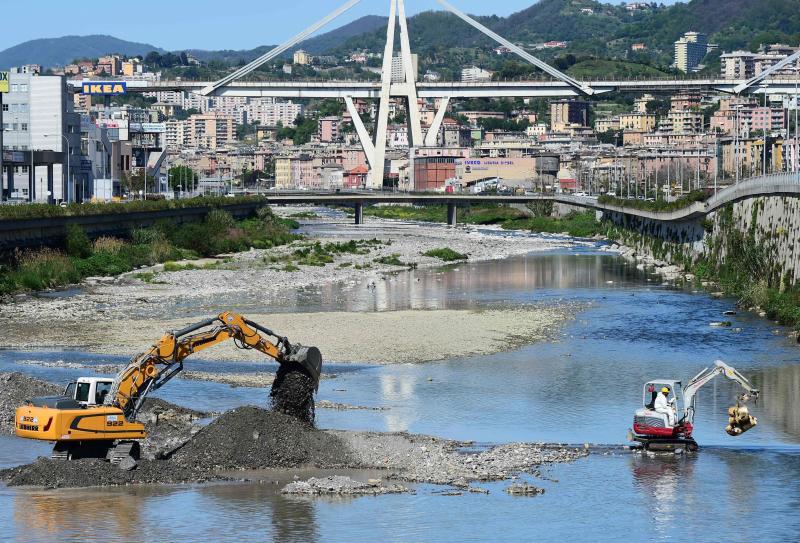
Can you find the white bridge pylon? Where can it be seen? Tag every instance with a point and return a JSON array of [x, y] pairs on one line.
[[375, 148]]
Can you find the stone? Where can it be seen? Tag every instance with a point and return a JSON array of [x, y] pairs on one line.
[[127, 464]]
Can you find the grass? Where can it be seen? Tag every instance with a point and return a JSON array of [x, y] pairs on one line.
[[394, 260], [166, 242], [41, 211], [446, 254], [304, 215]]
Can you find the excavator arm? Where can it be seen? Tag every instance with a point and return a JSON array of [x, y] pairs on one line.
[[152, 369], [739, 419]]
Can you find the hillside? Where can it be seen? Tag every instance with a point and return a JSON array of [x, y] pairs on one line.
[[60, 51], [317, 45]]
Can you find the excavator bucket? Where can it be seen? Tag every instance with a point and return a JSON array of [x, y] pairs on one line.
[[308, 358], [739, 420]]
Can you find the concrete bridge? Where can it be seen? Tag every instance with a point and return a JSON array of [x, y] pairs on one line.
[[781, 184]]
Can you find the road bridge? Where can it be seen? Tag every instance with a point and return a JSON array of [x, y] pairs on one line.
[[781, 184]]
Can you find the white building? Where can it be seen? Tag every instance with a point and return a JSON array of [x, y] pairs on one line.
[[399, 72], [475, 75], [270, 112], [38, 115]]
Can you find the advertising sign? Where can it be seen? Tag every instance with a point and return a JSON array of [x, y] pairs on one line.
[[3, 82], [148, 128], [104, 87]]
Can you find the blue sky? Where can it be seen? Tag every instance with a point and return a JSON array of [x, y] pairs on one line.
[[198, 24]]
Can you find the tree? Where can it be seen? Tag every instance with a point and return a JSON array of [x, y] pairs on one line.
[[181, 176], [611, 136], [135, 181]]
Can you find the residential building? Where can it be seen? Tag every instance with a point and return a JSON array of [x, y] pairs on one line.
[[568, 113], [682, 122], [210, 131], [329, 129], [640, 104], [641, 122], [474, 74], [272, 112], [398, 70], [690, 50], [38, 114], [737, 65], [473, 116], [604, 125], [302, 58]]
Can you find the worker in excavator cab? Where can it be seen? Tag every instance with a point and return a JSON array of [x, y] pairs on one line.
[[666, 406]]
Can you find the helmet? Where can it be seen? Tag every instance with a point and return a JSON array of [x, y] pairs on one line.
[[665, 390]]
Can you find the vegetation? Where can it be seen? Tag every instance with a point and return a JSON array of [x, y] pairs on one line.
[[657, 205], [42, 211], [317, 254], [446, 254], [166, 242], [575, 224]]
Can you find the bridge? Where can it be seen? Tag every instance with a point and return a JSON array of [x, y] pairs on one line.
[[782, 184], [410, 90]]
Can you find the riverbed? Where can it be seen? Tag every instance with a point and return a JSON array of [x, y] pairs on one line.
[[579, 385]]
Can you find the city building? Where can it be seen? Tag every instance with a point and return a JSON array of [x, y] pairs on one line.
[[641, 122], [329, 129], [38, 115], [399, 72], [474, 74], [690, 50], [568, 113], [302, 58], [737, 65], [210, 131]]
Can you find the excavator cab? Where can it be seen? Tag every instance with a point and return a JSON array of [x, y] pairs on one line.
[[675, 396]]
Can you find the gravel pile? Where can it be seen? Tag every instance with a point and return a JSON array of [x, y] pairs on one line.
[[253, 438], [337, 485], [427, 459]]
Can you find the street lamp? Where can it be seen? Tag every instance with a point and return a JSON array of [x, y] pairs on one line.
[[69, 150]]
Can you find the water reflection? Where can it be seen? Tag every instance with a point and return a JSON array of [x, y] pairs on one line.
[[780, 396], [659, 478]]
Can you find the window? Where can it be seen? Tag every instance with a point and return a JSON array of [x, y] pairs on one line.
[[23, 87], [82, 394], [14, 126], [14, 108], [24, 127], [14, 88], [23, 108], [101, 391], [5, 107]]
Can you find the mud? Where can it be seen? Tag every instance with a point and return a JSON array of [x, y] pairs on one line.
[[337, 485]]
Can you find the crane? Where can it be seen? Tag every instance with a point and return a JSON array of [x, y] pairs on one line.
[[97, 417]]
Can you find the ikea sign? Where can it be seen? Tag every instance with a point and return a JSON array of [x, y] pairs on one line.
[[104, 87], [3, 81]]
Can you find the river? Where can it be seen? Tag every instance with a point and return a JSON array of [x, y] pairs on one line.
[[581, 388]]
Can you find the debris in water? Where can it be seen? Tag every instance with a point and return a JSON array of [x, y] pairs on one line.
[[524, 489]]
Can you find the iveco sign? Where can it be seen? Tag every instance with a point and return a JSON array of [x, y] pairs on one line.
[[104, 87]]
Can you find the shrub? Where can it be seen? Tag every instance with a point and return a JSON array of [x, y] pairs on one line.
[[108, 245], [446, 254], [103, 264], [144, 236], [78, 244], [43, 269], [219, 221]]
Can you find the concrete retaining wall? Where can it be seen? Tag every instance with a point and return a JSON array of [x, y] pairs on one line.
[[51, 231], [772, 223]]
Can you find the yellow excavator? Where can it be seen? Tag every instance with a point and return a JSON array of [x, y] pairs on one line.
[[103, 423]]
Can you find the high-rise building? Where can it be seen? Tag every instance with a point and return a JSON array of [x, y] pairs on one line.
[[38, 114], [399, 72], [568, 113], [302, 57], [690, 50], [737, 65]]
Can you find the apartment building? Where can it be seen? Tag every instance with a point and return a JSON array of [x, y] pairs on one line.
[[474, 74], [210, 131], [690, 50], [568, 113]]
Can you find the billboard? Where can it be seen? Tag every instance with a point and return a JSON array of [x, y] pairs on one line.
[[148, 128], [104, 87], [3, 82], [511, 169]]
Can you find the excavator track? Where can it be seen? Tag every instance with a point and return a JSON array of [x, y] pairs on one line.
[[123, 450]]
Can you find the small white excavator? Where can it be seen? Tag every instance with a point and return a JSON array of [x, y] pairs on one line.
[[665, 421]]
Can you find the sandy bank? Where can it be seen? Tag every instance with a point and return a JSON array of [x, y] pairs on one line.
[[379, 338]]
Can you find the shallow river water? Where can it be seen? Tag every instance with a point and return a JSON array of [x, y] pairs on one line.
[[581, 388]]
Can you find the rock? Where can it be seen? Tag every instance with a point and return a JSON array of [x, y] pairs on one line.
[[340, 485], [524, 489], [128, 464]]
